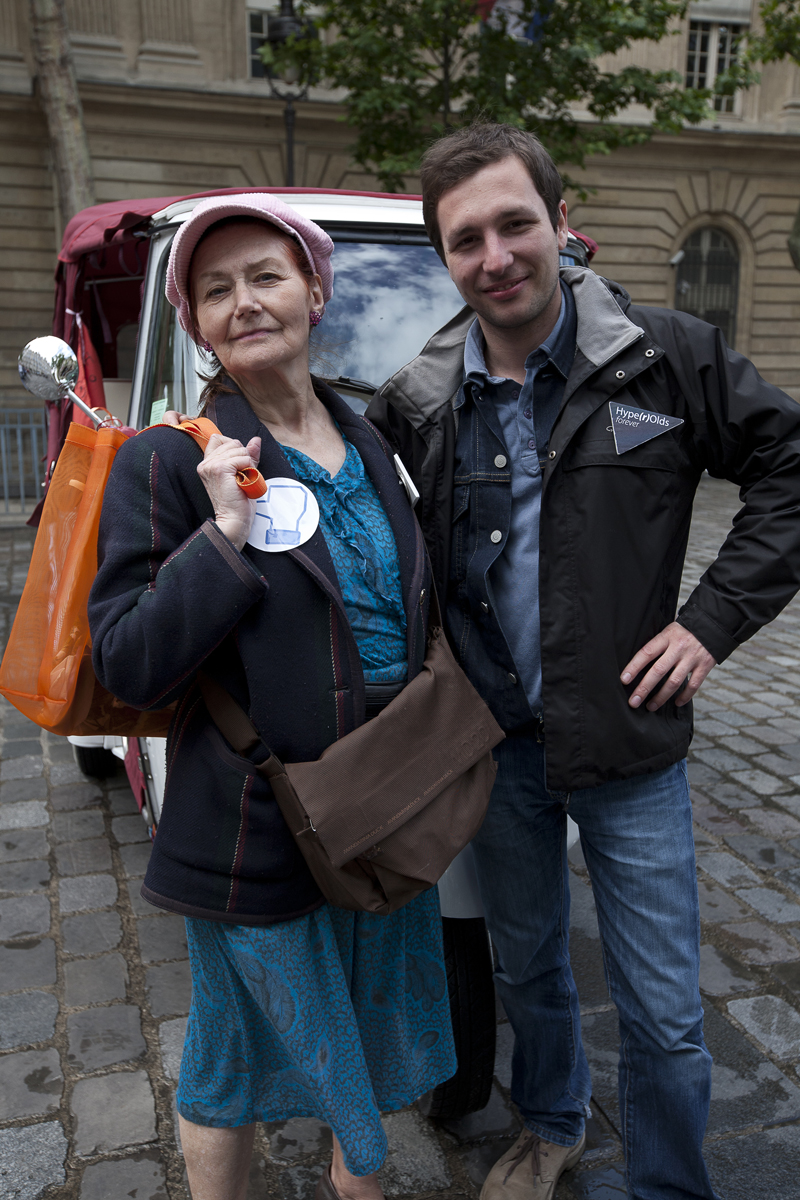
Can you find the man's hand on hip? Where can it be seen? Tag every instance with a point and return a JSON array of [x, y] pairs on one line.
[[681, 664]]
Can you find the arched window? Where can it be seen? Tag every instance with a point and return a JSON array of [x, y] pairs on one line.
[[707, 283]]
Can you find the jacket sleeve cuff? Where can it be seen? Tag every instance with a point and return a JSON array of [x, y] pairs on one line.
[[240, 565], [717, 641]]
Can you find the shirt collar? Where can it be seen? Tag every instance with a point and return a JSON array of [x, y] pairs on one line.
[[559, 346]]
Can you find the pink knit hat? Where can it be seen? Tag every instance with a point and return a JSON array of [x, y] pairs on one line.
[[316, 244]]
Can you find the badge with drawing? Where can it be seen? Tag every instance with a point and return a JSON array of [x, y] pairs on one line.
[[286, 516], [634, 426]]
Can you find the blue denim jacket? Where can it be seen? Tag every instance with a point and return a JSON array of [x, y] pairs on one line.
[[493, 599]]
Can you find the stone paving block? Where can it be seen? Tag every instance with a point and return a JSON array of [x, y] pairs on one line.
[[68, 772], [719, 759], [23, 789], [726, 869], [28, 814], [788, 725], [169, 989], [606, 1182], [772, 823], [141, 1176], [504, 1049], [776, 1151], [172, 1035], [91, 934], [721, 974], [790, 879], [130, 829], [32, 1160], [24, 916], [776, 699], [78, 826], [17, 747], [30, 1083], [123, 803], [95, 980], [766, 854], [74, 796], [762, 783], [495, 1120], [771, 904], [140, 906], [112, 1111], [30, 962], [771, 1021], [100, 1037], [27, 767], [789, 974], [162, 938], [758, 944], [734, 720], [297, 1138], [715, 820], [790, 804], [701, 775], [711, 728], [30, 876], [135, 859], [415, 1161], [83, 858], [757, 711], [770, 735], [702, 840], [776, 763], [59, 753], [27, 1017], [21, 844], [717, 905], [87, 891], [737, 743]]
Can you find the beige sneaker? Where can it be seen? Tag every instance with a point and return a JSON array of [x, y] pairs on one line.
[[531, 1169]]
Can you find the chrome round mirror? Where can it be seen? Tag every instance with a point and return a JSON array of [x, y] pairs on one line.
[[48, 368]]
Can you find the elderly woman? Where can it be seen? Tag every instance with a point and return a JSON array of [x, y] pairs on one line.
[[312, 625]]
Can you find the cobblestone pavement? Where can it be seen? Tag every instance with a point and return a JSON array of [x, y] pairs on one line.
[[94, 984]]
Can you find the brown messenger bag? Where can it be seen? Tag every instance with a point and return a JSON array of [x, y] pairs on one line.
[[382, 813]]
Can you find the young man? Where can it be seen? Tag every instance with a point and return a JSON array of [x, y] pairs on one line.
[[557, 434]]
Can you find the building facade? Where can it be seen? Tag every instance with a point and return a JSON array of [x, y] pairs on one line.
[[175, 101]]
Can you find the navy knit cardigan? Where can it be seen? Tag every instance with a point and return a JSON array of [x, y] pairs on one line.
[[173, 593]]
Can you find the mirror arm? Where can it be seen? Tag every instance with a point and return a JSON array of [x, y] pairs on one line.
[[98, 420]]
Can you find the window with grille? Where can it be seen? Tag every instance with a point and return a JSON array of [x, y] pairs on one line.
[[707, 284], [256, 36], [712, 49]]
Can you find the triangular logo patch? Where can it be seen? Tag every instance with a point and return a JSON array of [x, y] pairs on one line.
[[633, 426]]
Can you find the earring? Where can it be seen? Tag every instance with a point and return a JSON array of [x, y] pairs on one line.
[[208, 347], [314, 317]]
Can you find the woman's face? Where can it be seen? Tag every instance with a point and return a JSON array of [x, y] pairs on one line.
[[251, 302]]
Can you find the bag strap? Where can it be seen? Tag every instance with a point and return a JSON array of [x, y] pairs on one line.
[[201, 430], [234, 724]]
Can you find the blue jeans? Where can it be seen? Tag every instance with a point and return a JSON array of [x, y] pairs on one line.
[[637, 841]]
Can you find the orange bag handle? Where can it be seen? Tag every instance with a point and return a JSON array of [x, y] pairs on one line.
[[250, 480]]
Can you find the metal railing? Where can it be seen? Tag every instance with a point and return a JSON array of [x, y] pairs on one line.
[[22, 445]]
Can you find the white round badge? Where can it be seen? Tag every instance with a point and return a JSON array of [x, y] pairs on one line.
[[286, 516]]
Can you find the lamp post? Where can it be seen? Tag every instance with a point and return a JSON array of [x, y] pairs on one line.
[[279, 29]]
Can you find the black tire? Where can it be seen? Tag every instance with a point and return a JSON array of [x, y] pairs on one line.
[[94, 761], [468, 961]]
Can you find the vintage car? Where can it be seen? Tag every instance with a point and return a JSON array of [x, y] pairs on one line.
[[391, 293]]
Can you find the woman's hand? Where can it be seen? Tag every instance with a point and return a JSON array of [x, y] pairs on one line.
[[224, 456], [171, 417]]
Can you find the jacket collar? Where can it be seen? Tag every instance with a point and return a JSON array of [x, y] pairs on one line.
[[435, 376]]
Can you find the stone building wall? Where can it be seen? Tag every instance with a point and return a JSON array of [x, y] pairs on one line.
[[170, 109]]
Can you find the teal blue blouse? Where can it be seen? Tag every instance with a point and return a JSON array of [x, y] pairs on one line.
[[362, 546]]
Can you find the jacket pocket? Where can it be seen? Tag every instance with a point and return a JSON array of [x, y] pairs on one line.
[[659, 454]]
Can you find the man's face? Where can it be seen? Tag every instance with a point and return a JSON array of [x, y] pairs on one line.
[[500, 247]]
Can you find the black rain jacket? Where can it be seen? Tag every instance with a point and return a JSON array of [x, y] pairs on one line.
[[614, 527]]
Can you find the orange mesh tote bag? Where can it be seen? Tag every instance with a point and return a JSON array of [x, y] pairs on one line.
[[47, 668]]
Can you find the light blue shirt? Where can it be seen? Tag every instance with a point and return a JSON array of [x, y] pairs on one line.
[[513, 579]]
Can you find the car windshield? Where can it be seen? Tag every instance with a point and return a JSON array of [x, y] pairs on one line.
[[389, 298]]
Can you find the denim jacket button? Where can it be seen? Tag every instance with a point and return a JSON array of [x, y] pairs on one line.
[[501, 460], [484, 606], [512, 677], [496, 536]]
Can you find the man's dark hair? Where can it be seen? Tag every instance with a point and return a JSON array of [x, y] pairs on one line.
[[466, 151]]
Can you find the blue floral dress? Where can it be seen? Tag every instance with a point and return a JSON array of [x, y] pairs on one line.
[[335, 1015]]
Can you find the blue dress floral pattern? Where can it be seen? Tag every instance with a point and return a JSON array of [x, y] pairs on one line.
[[335, 1015], [361, 543]]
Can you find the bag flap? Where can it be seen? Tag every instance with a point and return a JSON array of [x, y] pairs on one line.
[[371, 782]]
